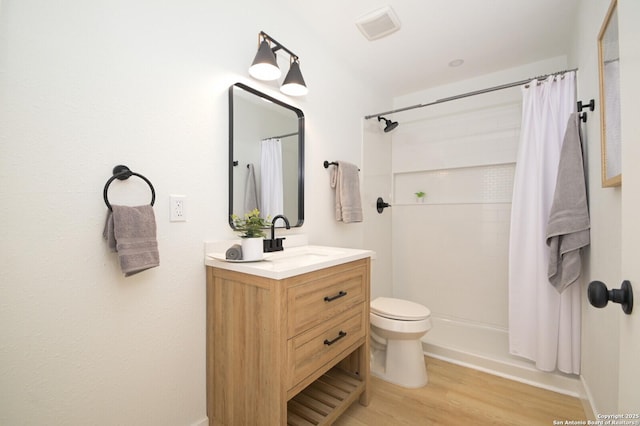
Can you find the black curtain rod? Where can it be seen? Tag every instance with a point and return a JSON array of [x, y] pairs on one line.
[[468, 94]]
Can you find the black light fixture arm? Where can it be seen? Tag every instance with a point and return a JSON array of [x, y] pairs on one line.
[[277, 44]]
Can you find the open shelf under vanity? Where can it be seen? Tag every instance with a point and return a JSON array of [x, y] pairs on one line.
[[324, 400]]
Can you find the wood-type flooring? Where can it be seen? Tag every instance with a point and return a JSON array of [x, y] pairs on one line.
[[457, 395]]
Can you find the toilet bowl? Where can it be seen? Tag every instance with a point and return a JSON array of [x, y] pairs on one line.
[[396, 350]]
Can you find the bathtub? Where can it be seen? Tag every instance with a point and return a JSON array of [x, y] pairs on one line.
[[486, 348]]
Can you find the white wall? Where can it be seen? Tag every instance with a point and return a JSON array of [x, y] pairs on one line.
[[88, 85], [376, 172], [600, 330], [610, 345], [629, 371]]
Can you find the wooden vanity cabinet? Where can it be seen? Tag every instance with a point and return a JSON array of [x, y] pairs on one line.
[[291, 351]]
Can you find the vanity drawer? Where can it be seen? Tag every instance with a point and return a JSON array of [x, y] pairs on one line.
[[311, 350], [318, 300]]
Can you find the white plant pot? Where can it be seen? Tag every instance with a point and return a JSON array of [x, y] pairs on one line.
[[252, 248]]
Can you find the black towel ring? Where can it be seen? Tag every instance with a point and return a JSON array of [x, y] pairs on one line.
[[122, 173]]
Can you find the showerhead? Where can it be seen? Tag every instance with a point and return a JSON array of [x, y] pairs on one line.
[[390, 125]]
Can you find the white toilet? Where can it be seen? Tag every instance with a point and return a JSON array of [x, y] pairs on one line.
[[396, 351]]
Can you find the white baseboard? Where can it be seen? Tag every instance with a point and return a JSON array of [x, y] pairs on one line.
[[486, 348], [529, 376], [587, 401], [202, 422]]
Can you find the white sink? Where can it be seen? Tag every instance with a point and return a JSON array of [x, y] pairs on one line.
[[305, 252], [291, 261]]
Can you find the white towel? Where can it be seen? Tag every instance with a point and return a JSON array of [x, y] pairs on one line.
[[346, 181], [568, 226]]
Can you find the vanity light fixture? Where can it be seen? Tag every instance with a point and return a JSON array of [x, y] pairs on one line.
[[265, 66], [293, 84]]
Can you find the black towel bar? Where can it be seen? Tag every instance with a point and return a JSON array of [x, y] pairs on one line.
[[332, 163], [121, 172]]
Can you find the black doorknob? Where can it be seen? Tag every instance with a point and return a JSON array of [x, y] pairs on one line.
[[599, 295]]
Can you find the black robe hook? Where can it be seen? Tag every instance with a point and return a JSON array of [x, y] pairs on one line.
[[583, 115]]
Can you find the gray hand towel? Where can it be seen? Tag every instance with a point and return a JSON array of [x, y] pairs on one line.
[[346, 181], [234, 252], [131, 232], [251, 190], [568, 226]]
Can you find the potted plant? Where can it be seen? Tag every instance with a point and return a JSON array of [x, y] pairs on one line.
[[420, 196], [252, 231]]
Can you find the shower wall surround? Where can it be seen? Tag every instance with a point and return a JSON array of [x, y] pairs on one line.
[[451, 250]]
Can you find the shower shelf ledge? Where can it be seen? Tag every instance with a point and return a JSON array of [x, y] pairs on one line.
[[452, 168]]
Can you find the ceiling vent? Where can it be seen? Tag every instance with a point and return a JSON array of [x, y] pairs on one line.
[[379, 23]]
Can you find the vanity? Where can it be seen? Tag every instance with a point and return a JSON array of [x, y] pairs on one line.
[[287, 337]]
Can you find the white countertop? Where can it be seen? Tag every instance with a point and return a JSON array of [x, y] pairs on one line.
[[291, 261]]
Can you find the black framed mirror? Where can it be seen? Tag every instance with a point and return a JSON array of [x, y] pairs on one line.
[[266, 156]]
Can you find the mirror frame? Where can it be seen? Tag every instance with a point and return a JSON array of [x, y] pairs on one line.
[[610, 146], [232, 161]]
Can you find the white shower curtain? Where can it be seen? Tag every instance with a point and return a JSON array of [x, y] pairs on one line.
[[544, 326], [271, 181]]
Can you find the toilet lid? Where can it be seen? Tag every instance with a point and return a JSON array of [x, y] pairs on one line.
[[399, 309]]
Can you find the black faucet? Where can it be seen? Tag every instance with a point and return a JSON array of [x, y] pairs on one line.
[[275, 244]]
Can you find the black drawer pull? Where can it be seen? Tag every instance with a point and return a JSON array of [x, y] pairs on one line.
[[337, 296], [341, 334]]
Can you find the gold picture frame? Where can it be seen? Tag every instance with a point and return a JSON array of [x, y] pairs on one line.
[[609, 71]]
